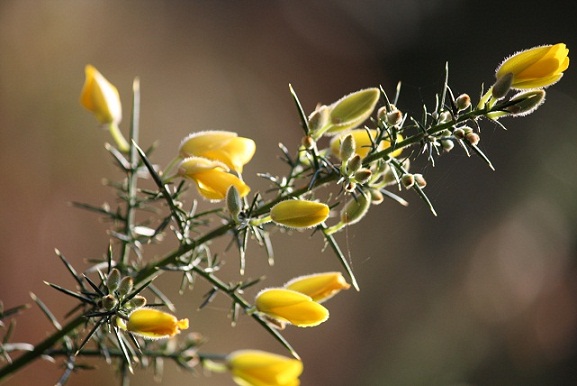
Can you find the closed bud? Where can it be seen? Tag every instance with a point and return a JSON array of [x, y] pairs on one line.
[[318, 119], [137, 302], [472, 138], [502, 86], [113, 280], [420, 180], [299, 213], [459, 133], [447, 145], [308, 142], [463, 102], [347, 149], [362, 176], [376, 196], [233, 202], [355, 209], [109, 302], [352, 110], [125, 286], [408, 180], [394, 117], [526, 102], [354, 164]]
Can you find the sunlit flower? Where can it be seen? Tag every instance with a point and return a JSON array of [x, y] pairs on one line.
[[536, 67], [260, 368], [211, 177], [299, 213], [224, 146], [319, 286], [288, 306], [364, 141], [154, 324], [100, 97]]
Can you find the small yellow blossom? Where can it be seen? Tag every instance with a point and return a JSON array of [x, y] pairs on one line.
[[319, 286], [537, 67], [154, 324], [299, 213], [211, 177], [224, 146], [260, 368], [363, 140], [100, 97], [288, 306]]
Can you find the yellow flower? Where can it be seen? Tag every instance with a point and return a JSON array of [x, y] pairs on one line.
[[288, 306], [212, 177], [319, 286], [260, 368], [100, 97], [536, 67], [299, 213], [363, 140], [224, 146], [154, 324]]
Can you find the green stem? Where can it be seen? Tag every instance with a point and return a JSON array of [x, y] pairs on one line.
[[41, 348]]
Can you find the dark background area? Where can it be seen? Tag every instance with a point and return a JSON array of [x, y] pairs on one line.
[[483, 294]]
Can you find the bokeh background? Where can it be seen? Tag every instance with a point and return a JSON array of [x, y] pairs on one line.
[[483, 294]]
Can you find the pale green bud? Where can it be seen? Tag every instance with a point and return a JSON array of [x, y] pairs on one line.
[[420, 180], [362, 176], [472, 138], [462, 102], [408, 180], [109, 302], [394, 117], [318, 119], [137, 302], [352, 110], [355, 209], [502, 86], [112, 280], [354, 164], [125, 286], [233, 202], [526, 102], [347, 148], [376, 196]]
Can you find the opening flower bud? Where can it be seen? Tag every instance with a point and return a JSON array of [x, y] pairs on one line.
[[291, 307], [260, 368], [299, 213], [319, 286], [154, 324], [537, 67]]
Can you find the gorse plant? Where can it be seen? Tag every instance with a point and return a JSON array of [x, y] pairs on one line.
[[362, 144]]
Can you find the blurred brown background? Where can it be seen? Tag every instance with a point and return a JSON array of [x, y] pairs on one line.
[[483, 294]]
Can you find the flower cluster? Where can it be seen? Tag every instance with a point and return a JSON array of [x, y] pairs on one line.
[[361, 145]]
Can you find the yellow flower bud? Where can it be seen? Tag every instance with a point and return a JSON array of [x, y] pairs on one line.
[[537, 67], [363, 140], [153, 324], [260, 368], [299, 213], [319, 286], [100, 97], [211, 177], [224, 146], [290, 306]]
